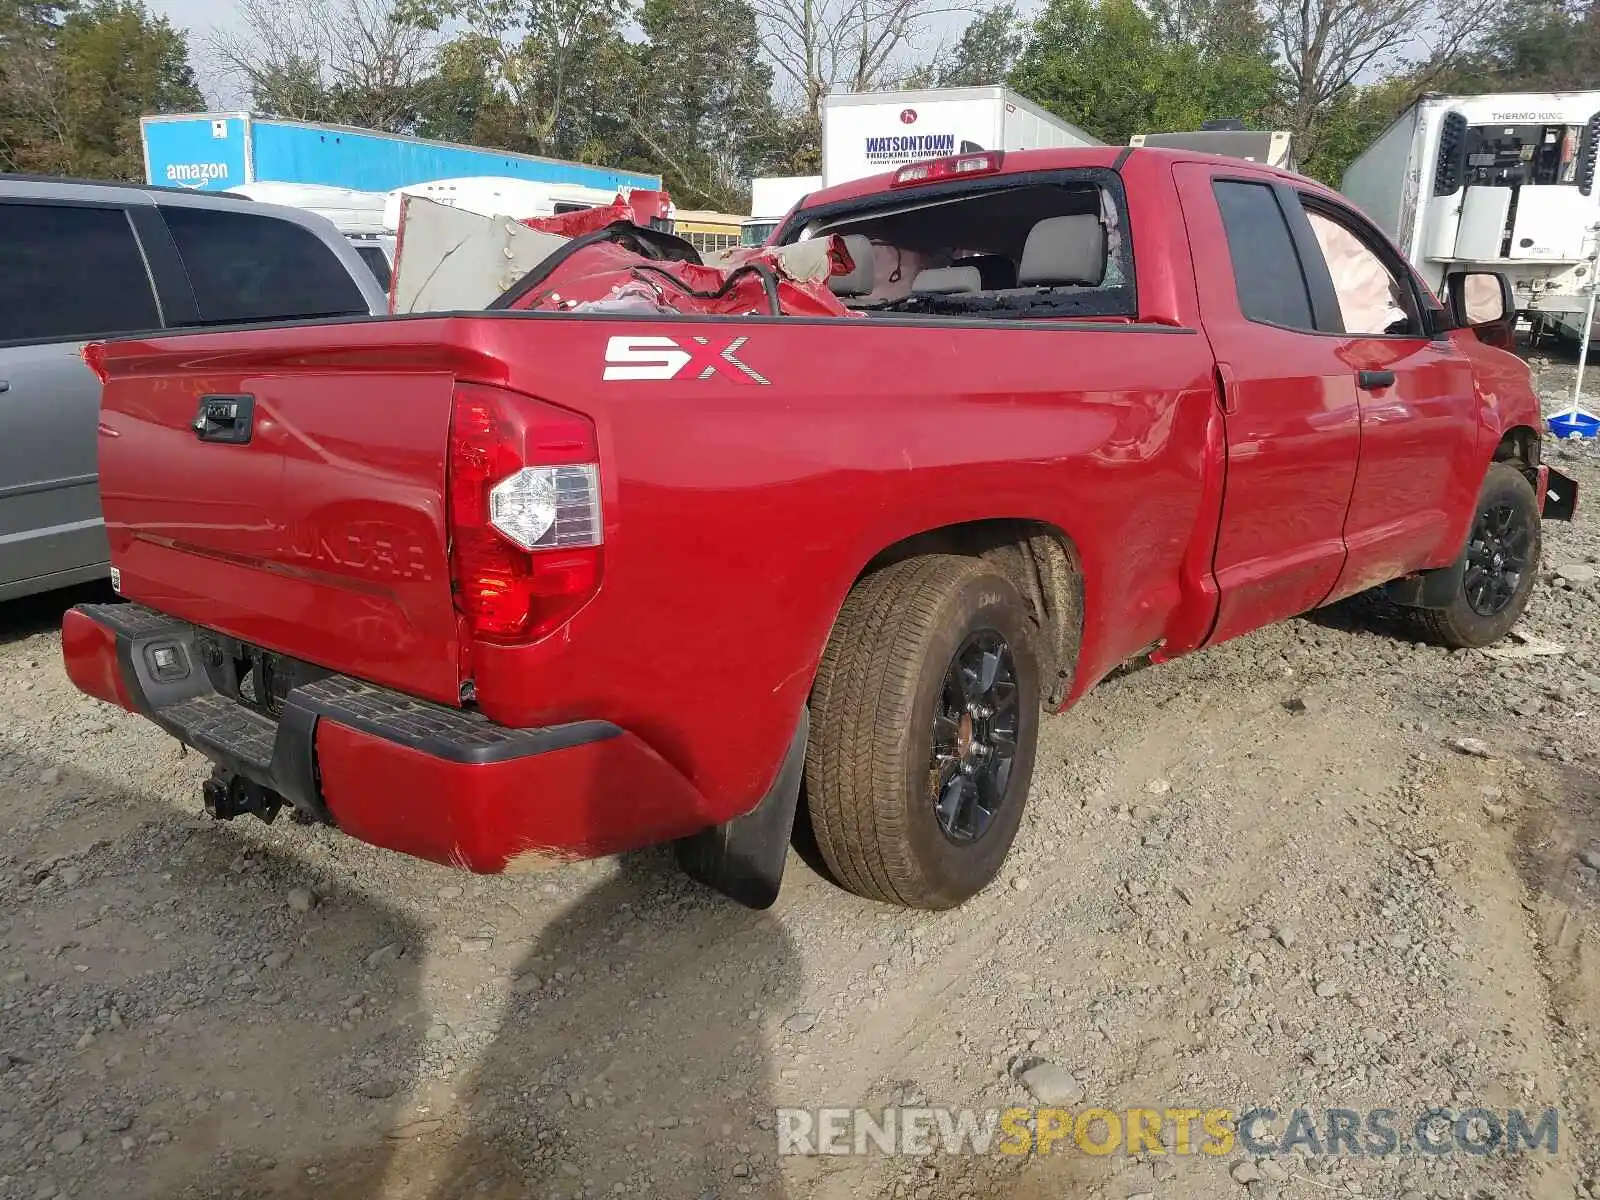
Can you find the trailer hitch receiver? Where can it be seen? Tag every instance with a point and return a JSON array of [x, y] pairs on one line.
[[228, 796]]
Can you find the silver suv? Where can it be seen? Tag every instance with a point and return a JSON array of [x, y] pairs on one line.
[[80, 262]]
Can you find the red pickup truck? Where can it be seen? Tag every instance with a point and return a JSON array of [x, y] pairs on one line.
[[508, 587]]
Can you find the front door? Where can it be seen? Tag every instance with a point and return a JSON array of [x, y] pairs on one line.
[[1419, 474]]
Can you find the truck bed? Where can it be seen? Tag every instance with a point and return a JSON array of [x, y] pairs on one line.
[[743, 502]]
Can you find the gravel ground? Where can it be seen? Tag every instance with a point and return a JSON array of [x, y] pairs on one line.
[[1317, 867]]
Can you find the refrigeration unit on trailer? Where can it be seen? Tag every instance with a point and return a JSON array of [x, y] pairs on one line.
[[1502, 183], [869, 133]]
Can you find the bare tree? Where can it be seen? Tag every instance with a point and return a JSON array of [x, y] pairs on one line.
[[1329, 46], [360, 62], [820, 46]]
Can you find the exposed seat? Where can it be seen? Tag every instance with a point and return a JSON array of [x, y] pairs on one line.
[[861, 280], [1064, 252], [996, 271], [947, 281]]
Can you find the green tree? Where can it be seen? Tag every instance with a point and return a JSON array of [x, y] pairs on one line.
[[28, 31], [75, 79], [1107, 66], [1331, 49], [989, 46], [352, 62], [1353, 122], [556, 63], [699, 97], [1536, 45], [463, 103]]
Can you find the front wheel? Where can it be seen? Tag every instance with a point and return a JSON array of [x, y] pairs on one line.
[[1497, 568], [925, 716]]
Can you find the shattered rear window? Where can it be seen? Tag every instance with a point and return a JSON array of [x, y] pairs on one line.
[[1047, 244]]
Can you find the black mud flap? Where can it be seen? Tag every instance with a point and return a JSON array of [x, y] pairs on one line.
[[1429, 589], [1560, 496], [744, 858]]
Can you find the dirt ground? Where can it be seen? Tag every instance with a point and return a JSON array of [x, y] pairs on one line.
[[1271, 875]]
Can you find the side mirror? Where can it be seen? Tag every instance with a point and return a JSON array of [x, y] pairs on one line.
[[1481, 301]]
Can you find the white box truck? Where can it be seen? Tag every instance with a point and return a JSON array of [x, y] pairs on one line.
[[1503, 183], [771, 198], [868, 133]]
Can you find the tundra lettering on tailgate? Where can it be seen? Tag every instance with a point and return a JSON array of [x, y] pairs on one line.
[[666, 358]]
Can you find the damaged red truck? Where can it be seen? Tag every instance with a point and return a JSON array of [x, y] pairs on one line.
[[529, 584]]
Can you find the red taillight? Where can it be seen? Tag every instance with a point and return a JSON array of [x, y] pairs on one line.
[[960, 167], [524, 513]]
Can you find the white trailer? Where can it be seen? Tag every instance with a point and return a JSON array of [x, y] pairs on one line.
[[352, 212], [1273, 148], [771, 198], [501, 196], [869, 133], [1503, 183]]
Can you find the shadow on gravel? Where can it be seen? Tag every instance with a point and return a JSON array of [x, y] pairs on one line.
[[1557, 856], [1368, 612], [184, 1031], [23, 618], [632, 1058], [1558, 836]]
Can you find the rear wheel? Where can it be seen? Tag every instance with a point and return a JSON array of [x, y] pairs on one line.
[[925, 716], [1497, 567]]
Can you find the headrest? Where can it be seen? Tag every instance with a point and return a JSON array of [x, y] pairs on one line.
[[1064, 251], [859, 282], [946, 281]]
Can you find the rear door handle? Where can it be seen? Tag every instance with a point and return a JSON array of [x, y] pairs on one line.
[[1371, 381], [4, 386]]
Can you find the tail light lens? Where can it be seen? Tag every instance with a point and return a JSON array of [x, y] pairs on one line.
[[524, 510]]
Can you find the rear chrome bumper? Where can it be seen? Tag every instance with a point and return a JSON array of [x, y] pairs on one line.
[[405, 774]]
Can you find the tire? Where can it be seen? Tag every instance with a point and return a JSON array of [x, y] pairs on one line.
[[1497, 566], [871, 775]]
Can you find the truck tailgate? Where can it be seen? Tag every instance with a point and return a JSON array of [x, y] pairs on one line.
[[312, 523]]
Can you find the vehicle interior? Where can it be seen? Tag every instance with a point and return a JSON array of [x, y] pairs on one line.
[[1038, 249]]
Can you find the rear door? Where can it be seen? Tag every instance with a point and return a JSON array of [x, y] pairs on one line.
[[69, 271], [1291, 412]]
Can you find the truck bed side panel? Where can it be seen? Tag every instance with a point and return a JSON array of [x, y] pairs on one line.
[[744, 488], [739, 514]]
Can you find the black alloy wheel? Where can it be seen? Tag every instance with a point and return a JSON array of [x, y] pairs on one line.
[[1497, 558], [974, 737]]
